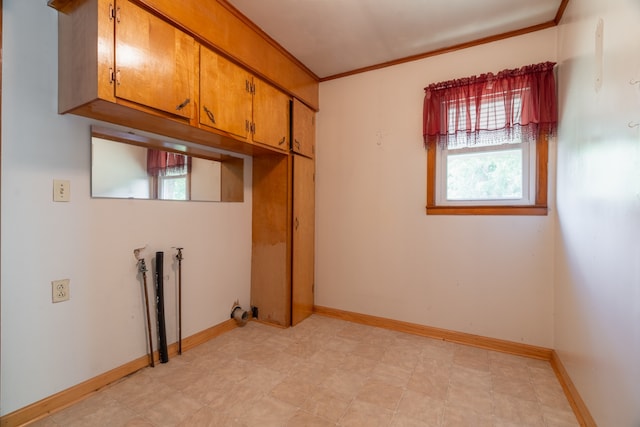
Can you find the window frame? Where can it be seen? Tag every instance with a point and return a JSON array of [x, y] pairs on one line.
[[539, 207]]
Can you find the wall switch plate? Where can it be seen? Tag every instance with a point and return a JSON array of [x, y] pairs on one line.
[[61, 190], [60, 290]]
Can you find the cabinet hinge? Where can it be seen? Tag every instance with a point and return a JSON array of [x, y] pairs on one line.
[[114, 13], [250, 87]]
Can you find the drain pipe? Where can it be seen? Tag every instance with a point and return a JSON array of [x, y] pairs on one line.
[[238, 314]]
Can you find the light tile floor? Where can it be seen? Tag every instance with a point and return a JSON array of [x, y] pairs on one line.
[[328, 372]]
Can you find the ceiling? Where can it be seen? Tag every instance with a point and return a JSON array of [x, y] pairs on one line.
[[332, 37]]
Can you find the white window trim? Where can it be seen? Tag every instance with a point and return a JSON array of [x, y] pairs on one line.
[[528, 176]]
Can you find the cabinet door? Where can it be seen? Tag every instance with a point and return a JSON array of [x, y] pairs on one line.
[[302, 262], [270, 116], [225, 94], [304, 129], [155, 62]]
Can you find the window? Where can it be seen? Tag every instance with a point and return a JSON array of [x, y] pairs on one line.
[[496, 174], [487, 142]]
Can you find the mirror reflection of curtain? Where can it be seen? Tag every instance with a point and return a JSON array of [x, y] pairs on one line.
[[163, 163]]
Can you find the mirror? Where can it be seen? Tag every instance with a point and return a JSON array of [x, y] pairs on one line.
[[133, 166]]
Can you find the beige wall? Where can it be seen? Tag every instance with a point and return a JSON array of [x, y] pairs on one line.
[[597, 243], [379, 253], [49, 347]]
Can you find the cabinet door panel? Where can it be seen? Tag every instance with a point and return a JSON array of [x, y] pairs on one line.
[[270, 116], [271, 238], [155, 62], [302, 264], [304, 129], [225, 98]]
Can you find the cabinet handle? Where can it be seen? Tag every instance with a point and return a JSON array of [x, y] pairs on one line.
[[112, 12], [118, 77], [112, 76], [284, 138], [296, 143], [184, 104], [210, 115], [297, 223], [118, 14]]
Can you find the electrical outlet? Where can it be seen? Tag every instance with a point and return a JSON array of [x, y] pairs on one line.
[[60, 290]]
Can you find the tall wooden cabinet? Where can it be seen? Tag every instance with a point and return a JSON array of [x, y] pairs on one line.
[[303, 145], [282, 273]]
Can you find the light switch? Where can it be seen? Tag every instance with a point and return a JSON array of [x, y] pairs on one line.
[[61, 190]]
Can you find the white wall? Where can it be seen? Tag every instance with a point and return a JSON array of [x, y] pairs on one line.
[[597, 242], [49, 347], [379, 253]]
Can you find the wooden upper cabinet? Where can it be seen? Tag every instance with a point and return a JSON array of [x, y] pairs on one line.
[[126, 62], [225, 94], [270, 116], [303, 129], [154, 61]]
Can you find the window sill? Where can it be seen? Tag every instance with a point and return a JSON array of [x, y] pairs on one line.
[[488, 210]]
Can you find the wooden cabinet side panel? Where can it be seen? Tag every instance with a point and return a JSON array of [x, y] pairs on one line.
[[303, 246], [85, 54], [232, 179], [304, 129], [216, 24], [271, 235]]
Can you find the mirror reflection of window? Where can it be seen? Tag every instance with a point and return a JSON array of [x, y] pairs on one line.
[[170, 174], [123, 170]]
